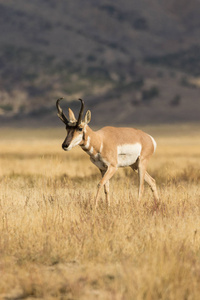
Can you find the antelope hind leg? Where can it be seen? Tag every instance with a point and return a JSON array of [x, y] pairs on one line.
[[152, 183]]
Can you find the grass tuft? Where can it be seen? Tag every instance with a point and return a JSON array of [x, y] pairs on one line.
[[55, 245]]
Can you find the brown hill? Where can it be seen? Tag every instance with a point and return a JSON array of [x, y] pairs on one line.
[[132, 61]]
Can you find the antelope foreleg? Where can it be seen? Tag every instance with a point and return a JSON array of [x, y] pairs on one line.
[[106, 191], [105, 181], [106, 188]]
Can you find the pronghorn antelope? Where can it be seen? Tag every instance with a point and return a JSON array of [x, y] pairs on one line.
[[110, 148]]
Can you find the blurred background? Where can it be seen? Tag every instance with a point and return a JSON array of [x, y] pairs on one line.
[[132, 61]]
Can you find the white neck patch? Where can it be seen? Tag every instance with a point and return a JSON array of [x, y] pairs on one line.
[[87, 145]]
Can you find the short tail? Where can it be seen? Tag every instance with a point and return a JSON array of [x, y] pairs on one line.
[[154, 143]]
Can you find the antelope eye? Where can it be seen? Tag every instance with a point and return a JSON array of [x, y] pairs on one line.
[[80, 129]]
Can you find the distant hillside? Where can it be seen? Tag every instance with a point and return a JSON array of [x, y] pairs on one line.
[[132, 61]]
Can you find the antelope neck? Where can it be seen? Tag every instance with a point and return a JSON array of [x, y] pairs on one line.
[[91, 143]]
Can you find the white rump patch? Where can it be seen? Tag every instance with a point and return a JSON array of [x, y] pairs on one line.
[[127, 154], [154, 143]]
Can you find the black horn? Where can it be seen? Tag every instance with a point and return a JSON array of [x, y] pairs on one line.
[[61, 114], [81, 112]]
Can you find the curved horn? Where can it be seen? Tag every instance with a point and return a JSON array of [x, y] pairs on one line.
[[61, 114], [81, 112]]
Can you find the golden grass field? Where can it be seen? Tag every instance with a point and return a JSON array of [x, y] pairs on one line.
[[55, 245]]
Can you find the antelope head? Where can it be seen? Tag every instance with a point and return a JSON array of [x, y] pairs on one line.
[[75, 128]]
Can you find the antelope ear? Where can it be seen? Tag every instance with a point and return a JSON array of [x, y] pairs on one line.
[[87, 117], [71, 116]]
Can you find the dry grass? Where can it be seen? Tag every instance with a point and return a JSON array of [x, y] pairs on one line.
[[54, 245]]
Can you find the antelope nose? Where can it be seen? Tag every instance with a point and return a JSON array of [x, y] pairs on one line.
[[65, 146]]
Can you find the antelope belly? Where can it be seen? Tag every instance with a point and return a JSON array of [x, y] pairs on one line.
[[99, 162], [127, 154]]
